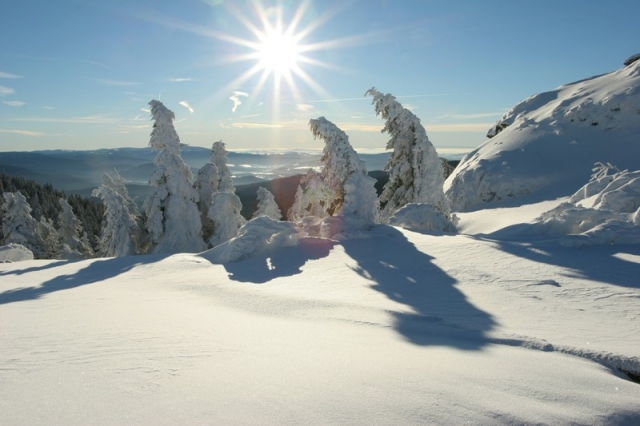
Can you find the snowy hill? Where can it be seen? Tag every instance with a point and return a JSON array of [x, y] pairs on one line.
[[546, 145]]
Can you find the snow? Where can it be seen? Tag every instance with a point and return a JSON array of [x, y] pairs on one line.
[[15, 253], [546, 146]]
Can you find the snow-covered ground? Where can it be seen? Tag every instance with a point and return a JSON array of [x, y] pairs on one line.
[[395, 328]]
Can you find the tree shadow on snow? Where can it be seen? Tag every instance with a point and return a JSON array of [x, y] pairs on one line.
[[603, 263], [95, 271], [442, 314], [285, 261]]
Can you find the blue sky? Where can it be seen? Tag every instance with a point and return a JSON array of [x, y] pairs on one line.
[[78, 74]]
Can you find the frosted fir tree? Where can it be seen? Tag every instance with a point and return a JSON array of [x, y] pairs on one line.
[[121, 232], [73, 241], [207, 185], [219, 156], [19, 227], [310, 198], [341, 164], [225, 213], [173, 219], [267, 205], [415, 171]]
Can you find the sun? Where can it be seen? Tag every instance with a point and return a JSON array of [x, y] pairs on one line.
[[278, 52]]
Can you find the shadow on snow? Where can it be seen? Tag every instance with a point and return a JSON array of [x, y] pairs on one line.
[[442, 314], [283, 262], [95, 271]]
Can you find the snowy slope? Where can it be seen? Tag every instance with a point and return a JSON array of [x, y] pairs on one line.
[[546, 145], [397, 328]]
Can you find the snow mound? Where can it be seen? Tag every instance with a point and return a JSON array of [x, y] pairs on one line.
[[423, 218], [609, 216], [258, 236], [544, 146], [15, 253]]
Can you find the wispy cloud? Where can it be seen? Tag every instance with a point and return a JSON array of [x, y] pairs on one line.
[[96, 63], [117, 83], [235, 97], [9, 75], [256, 126], [48, 107], [472, 116], [179, 79], [460, 127], [304, 107], [148, 111], [186, 105], [364, 98], [4, 91], [14, 103], [22, 132], [90, 119], [250, 115]]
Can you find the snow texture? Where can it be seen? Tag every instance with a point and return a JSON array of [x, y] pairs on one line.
[[173, 219], [423, 218], [545, 145], [415, 170], [14, 253]]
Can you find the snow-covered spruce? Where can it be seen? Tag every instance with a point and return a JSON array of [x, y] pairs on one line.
[[415, 171], [225, 214], [219, 156], [121, 233], [18, 226], [173, 219], [423, 217], [73, 241], [545, 145], [207, 185], [267, 205], [310, 198]]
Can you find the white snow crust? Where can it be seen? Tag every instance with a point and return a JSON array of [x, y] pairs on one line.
[[15, 253], [545, 146]]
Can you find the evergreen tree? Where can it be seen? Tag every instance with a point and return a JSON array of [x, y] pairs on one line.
[[121, 233], [267, 205], [19, 227], [219, 156], [207, 185], [310, 198], [173, 219], [415, 171], [225, 214], [73, 241]]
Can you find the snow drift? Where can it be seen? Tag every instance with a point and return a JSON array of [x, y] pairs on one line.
[[546, 145]]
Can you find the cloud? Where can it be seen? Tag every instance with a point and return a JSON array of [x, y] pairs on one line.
[[4, 91], [48, 107], [14, 103], [107, 82], [250, 115], [145, 110], [8, 75], [256, 126], [460, 127], [90, 119], [235, 97], [186, 105], [22, 132], [364, 98], [304, 107], [472, 116], [179, 79]]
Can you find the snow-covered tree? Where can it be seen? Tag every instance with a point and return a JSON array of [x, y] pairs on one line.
[[341, 165], [415, 171], [207, 185], [173, 219], [73, 241], [121, 233], [19, 227], [310, 198], [225, 214], [267, 205], [219, 159]]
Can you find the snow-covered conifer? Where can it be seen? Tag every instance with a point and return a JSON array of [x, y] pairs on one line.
[[173, 219], [415, 171], [225, 214], [18, 226], [207, 185], [342, 165], [310, 198], [74, 243], [219, 158], [121, 233], [267, 205]]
